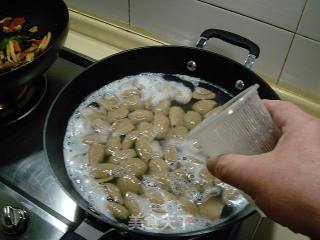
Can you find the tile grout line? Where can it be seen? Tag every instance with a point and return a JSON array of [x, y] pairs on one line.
[[291, 43], [243, 15], [308, 38], [285, 59], [129, 12], [300, 18]]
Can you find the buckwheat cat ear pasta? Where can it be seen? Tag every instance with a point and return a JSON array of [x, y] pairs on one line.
[[126, 153]]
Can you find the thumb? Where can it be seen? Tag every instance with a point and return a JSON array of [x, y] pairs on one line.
[[236, 170]]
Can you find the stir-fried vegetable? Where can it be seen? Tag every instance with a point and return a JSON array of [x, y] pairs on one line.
[[18, 44]]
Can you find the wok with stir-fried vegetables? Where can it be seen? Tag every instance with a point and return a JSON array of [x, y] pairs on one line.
[[32, 33], [18, 44]]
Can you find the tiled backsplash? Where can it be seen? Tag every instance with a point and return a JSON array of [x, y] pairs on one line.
[[302, 68], [183, 21], [287, 31], [284, 13], [310, 21]]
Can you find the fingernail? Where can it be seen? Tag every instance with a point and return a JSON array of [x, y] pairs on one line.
[[211, 163]]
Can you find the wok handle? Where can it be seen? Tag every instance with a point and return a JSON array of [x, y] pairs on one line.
[[234, 39]]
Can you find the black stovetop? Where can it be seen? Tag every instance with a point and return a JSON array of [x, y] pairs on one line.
[[26, 180]]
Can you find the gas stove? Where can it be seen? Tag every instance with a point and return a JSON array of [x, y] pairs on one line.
[[32, 203]]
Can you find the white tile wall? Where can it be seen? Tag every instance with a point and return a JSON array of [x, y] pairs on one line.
[[182, 21], [302, 68], [117, 10], [282, 13], [310, 22], [270, 23]]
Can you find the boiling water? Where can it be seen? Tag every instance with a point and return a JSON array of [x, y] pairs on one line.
[[156, 87]]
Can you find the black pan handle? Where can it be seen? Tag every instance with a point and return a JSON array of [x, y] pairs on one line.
[[232, 38]]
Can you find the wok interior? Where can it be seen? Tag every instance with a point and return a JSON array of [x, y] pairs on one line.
[[222, 96], [170, 60]]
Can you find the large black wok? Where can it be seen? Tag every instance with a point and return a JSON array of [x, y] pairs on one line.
[[48, 16], [196, 62]]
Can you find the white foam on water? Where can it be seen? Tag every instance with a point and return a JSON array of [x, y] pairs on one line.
[[152, 86]]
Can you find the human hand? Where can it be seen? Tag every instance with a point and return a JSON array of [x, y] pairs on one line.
[[284, 183]]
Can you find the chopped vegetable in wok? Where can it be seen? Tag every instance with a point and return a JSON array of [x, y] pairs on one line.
[[19, 44]]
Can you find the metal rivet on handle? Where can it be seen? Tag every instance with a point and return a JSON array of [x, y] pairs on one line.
[[191, 66], [239, 84]]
